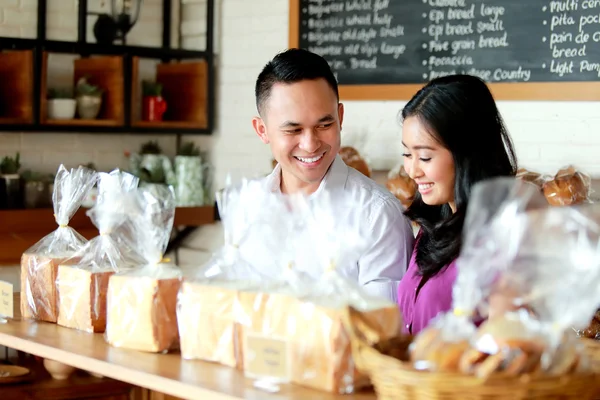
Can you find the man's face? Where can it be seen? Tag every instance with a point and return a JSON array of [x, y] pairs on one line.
[[302, 123]]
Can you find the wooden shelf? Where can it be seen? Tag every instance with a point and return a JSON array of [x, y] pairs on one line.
[[82, 122], [8, 120], [166, 373], [169, 124], [20, 229]]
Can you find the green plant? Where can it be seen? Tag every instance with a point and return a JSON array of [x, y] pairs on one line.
[[155, 176], [188, 149], [10, 165], [59, 93], [150, 147], [151, 88], [85, 88]]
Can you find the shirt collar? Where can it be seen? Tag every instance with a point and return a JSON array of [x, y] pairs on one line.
[[335, 178]]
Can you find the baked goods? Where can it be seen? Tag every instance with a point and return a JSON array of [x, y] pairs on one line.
[[39, 263], [593, 330], [531, 177], [208, 330], [402, 186], [82, 302], [568, 187], [353, 159], [141, 310], [82, 286], [38, 289]]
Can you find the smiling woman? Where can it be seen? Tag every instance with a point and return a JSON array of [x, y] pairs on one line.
[[453, 137]]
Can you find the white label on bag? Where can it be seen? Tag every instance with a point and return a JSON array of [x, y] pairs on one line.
[[6, 299]]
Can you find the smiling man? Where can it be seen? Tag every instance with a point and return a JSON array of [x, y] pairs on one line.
[[300, 118]]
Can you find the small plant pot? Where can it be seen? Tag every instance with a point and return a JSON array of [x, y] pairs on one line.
[[61, 108], [153, 108], [88, 107], [11, 192]]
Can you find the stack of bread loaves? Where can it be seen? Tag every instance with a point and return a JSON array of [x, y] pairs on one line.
[[82, 284], [39, 263], [353, 159], [568, 187]]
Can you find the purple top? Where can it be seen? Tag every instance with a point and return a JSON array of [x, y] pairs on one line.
[[418, 309]]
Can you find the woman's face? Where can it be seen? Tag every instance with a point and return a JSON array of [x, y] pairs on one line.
[[429, 163]]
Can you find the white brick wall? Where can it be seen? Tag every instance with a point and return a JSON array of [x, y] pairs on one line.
[[547, 135]]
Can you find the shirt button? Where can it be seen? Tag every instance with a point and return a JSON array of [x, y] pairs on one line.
[[407, 326]]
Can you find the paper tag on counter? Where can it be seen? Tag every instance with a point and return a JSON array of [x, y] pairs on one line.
[[267, 358], [6, 299]]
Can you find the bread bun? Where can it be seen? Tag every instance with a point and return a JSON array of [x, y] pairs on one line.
[[593, 330], [531, 177], [353, 159], [568, 187], [402, 186]]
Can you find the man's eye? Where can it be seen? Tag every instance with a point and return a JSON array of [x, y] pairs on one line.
[[325, 126]]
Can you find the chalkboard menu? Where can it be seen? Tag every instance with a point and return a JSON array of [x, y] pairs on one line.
[[371, 42]]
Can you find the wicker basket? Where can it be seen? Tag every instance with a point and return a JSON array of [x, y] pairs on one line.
[[393, 378], [592, 348]]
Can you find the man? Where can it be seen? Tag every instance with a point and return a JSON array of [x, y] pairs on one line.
[[301, 120]]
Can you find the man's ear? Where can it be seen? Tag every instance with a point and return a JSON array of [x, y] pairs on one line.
[[341, 113], [261, 129]]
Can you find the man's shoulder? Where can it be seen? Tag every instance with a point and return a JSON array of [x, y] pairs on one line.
[[370, 191]]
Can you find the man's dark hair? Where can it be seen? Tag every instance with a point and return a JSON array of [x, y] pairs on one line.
[[291, 66]]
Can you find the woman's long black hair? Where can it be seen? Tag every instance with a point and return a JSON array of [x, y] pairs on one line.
[[460, 113]]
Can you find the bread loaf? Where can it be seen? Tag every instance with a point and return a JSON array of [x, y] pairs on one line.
[[141, 312], [569, 187], [207, 327], [82, 298], [353, 159], [313, 337], [531, 177], [38, 287]]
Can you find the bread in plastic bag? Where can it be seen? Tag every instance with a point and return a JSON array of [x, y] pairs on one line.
[[39, 263], [568, 187], [493, 206], [206, 303], [299, 334], [535, 254], [141, 302], [532, 177], [401, 185], [82, 285]]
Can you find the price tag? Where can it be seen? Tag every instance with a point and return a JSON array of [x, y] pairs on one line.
[[6, 299], [267, 358]]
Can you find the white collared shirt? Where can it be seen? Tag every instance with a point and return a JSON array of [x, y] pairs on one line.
[[381, 266]]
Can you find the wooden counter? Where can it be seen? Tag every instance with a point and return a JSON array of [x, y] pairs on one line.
[[165, 373], [20, 229]]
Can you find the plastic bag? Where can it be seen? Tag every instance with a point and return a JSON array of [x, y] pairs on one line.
[[568, 187], [532, 177], [39, 263], [82, 285], [488, 244], [141, 302], [304, 325], [401, 185], [206, 303]]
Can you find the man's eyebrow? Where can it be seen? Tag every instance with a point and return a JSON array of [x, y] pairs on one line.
[[289, 124], [326, 118]]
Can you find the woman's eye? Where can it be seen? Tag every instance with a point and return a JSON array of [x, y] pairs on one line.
[[425, 159], [406, 155]]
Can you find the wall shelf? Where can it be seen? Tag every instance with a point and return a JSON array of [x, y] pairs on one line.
[[23, 101]]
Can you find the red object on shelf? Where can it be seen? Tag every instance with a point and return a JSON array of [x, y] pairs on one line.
[[153, 108]]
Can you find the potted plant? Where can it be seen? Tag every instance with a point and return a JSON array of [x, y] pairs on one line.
[[10, 182], [150, 165], [89, 98], [36, 189], [189, 176], [61, 104], [153, 104]]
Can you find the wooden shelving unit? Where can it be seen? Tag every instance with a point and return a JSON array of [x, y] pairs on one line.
[[187, 77]]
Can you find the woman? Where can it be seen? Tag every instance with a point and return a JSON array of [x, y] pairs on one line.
[[453, 137]]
